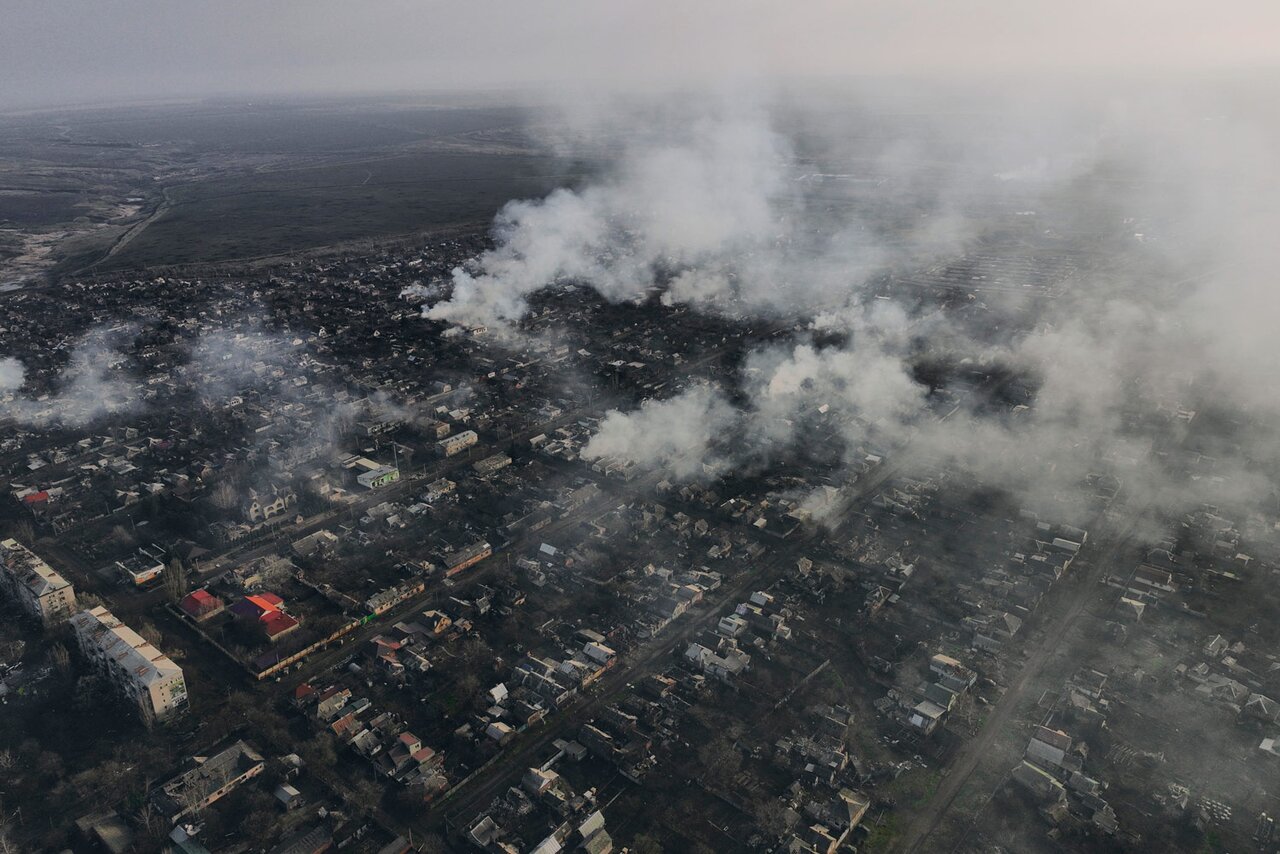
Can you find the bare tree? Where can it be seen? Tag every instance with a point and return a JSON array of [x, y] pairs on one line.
[[432, 843], [468, 684], [771, 816], [11, 650], [24, 532], [645, 844], [150, 633], [7, 845], [319, 752], [720, 760], [88, 692], [102, 783], [60, 657], [120, 536], [88, 600], [153, 825], [475, 653], [225, 496], [175, 581], [366, 795]]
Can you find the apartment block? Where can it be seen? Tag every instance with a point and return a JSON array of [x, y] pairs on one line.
[[135, 668], [34, 584]]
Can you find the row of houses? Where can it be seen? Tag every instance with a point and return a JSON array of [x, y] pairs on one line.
[[555, 681], [543, 797], [380, 738], [925, 709], [761, 613], [830, 822], [1053, 772]]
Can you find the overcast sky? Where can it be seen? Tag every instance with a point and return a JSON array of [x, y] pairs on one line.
[[84, 51]]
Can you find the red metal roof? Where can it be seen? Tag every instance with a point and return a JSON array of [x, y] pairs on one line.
[[267, 602], [277, 622], [199, 601]]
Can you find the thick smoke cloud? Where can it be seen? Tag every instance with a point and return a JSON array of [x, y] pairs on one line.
[[677, 437], [90, 385], [1165, 319], [96, 381], [710, 201], [867, 379], [686, 206], [715, 211], [12, 374]]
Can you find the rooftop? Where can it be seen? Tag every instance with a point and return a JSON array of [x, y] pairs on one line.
[[29, 569], [128, 648], [207, 777]]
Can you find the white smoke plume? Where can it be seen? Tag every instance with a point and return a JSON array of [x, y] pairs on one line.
[[677, 437], [866, 384], [691, 204], [714, 213], [95, 381], [12, 374], [1170, 309], [90, 386]]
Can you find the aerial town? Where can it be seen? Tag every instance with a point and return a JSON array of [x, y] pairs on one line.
[[635, 427], [290, 568]]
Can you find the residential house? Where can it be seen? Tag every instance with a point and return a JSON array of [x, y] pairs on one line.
[[260, 507], [265, 612], [201, 605], [1048, 747]]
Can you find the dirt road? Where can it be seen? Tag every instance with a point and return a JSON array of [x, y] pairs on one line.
[[1078, 588]]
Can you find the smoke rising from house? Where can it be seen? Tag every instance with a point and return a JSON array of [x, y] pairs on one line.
[[1153, 319], [678, 436], [89, 386], [12, 374]]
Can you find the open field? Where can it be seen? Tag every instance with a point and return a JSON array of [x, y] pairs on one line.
[[142, 186], [283, 211]]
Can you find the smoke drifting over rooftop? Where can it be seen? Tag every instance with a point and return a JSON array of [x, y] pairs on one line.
[[760, 208], [642, 426]]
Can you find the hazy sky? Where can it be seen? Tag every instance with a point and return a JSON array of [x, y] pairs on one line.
[[82, 51]]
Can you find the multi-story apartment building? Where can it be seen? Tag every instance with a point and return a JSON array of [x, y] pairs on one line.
[[135, 668], [34, 584], [458, 443]]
